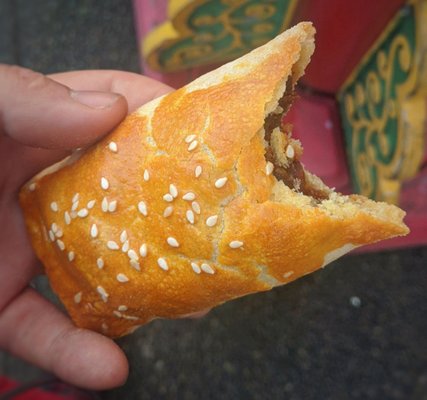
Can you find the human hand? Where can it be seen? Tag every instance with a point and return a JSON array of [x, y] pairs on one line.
[[41, 120]]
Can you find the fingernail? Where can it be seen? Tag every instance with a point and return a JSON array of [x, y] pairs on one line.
[[93, 99]]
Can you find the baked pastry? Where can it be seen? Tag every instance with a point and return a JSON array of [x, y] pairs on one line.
[[197, 198]]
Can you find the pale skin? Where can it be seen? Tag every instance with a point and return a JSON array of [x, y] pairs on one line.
[[42, 118]]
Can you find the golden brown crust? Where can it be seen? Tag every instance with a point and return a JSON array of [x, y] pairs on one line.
[[250, 234]]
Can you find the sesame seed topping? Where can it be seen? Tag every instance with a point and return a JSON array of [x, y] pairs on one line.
[[143, 250], [269, 168], [100, 263], [196, 268], [103, 293], [196, 207], [190, 138], [288, 274], [75, 205], [123, 236], [113, 147], [118, 314], [84, 212], [94, 231], [290, 152], [75, 198], [190, 196], [172, 241], [162, 264], [193, 145], [130, 317], [142, 207], [112, 245], [212, 220], [207, 268], [122, 308], [122, 278], [54, 206], [168, 197], [51, 236], [54, 227], [73, 214], [125, 246], [78, 297], [173, 190], [168, 211], [198, 171], [67, 218], [104, 327], [135, 264], [71, 256], [132, 254], [90, 204], [190, 216], [104, 204], [59, 233], [60, 244], [146, 175], [32, 187], [104, 183], [112, 206], [235, 244], [219, 183]]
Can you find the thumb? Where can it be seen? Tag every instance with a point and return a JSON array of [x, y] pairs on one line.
[[39, 112]]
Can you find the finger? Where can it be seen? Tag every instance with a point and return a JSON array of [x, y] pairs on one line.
[[40, 112], [137, 89], [32, 328]]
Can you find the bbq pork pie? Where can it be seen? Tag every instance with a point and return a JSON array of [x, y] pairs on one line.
[[197, 198]]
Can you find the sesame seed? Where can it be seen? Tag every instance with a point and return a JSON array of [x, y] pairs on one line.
[[173, 190], [162, 264], [71, 256], [235, 244], [143, 250], [60, 244], [135, 264], [32, 187], [118, 314], [112, 206], [94, 231], [51, 236], [112, 245], [122, 278], [100, 263], [122, 308], [59, 233], [125, 246], [190, 216], [67, 218], [190, 138], [104, 327], [288, 274], [104, 183], [73, 214], [75, 198], [193, 145], [54, 227], [172, 241], [190, 196], [207, 268], [212, 220], [130, 317], [90, 204], [196, 207], [269, 168], [83, 213], [198, 171], [103, 293], [113, 147], [123, 236], [219, 183], [168, 211], [290, 152], [196, 268], [75, 205], [168, 197], [146, 175], [104, 204], [132, 254], [54, 206], [78, 297], [142, 207]]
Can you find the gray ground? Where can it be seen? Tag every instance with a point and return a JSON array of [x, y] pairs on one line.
[[356, 330]]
